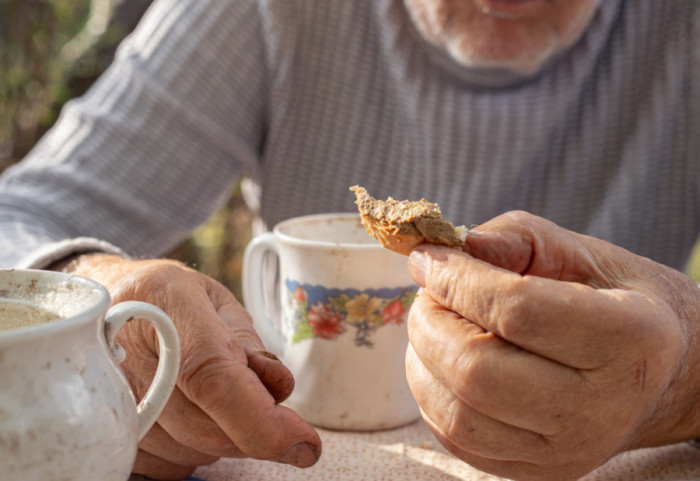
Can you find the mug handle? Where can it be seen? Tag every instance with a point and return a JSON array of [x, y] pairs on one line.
[[252, 274], [164, 380]]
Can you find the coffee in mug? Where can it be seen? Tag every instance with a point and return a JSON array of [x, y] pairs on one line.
[[66, 409], [18, 314]]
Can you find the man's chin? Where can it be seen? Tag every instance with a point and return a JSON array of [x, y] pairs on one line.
[[498, 38], [524, 64], [522, 56]]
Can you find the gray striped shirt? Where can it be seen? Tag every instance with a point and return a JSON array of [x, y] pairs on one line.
[[308, 97]]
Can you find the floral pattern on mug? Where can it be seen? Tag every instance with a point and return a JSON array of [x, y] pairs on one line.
[[320, 312]]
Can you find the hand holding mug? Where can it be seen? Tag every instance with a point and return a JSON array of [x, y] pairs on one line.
[[538, 353], [226, 401]]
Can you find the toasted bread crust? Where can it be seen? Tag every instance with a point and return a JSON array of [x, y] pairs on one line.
[[402, 225]]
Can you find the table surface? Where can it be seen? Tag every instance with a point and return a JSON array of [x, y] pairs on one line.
[[411, 452]]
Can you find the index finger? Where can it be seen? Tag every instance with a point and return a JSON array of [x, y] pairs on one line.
[[216, 377], [567, 322]]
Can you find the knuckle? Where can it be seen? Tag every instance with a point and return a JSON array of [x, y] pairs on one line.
[[510, 308], [472, 379], [154, 277], [518, 217], [148, 282], [202, 376], [449, 290], [460, 429]]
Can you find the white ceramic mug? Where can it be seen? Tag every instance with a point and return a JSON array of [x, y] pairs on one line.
[[343, 301], [66, 409]]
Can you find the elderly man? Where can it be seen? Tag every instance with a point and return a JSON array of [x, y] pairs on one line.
[[578, 111]]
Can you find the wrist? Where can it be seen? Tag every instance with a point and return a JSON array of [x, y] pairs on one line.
[[99, 266], [69, 263]]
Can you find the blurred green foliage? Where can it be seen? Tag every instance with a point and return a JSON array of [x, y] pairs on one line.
[[32, 34], [52, 51]]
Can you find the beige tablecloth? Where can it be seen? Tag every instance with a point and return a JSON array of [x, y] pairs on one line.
[[412, 453]]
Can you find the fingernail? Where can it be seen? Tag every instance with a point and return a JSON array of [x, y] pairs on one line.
[[268, 355], [301, 455], [417, 266]]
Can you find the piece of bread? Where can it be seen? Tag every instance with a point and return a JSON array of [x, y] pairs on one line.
[[402, 225]]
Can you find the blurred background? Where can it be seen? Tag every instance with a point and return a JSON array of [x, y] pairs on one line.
[[52, 51]]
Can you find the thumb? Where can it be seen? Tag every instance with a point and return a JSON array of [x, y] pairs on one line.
[[526, 244]]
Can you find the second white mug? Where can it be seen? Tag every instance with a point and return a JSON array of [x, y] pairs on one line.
[[66, 409], [341, 330]]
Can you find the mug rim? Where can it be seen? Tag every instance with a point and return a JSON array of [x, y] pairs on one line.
[[344, 216], [94, 311]]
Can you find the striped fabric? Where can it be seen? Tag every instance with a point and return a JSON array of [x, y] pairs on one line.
[[308, 97]]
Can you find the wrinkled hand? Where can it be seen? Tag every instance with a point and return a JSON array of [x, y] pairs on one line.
[[226, 400], [538, 353]]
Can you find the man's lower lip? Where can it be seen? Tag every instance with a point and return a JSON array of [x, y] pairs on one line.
[[506, 2], [508, 8]]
